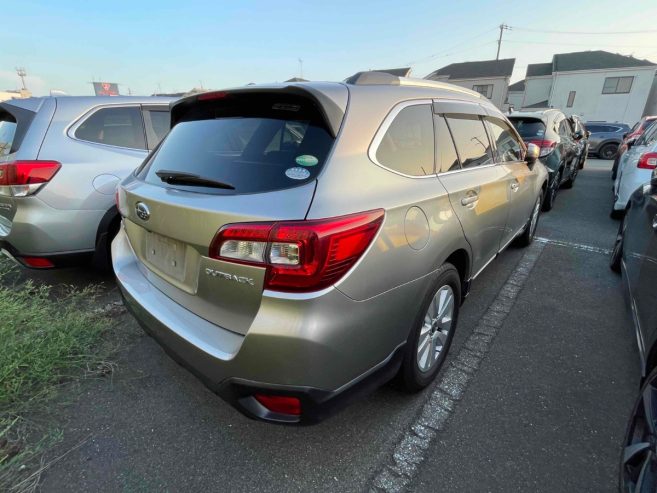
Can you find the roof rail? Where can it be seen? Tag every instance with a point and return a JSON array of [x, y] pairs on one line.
[[385, 79]]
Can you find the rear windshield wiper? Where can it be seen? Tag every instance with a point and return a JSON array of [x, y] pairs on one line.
[[182, 178]]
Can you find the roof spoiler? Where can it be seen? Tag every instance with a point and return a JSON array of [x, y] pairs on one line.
[[331, 112]]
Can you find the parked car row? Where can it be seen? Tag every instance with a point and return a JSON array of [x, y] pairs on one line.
[[293, 250], [563, 144], [635, 256]]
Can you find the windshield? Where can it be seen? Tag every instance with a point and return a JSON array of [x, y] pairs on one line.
[[258, 144], [529, 128]]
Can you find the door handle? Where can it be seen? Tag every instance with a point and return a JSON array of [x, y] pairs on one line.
[[470, 199], [514, 187]]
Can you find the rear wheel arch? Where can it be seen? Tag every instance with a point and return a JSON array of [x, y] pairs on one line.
[[460, 259], [107, 229]]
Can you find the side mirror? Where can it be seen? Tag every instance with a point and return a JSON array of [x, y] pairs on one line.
[[653, 179], [625, 135], [588, 134], [532, 153], [578, 135], [630, 142]]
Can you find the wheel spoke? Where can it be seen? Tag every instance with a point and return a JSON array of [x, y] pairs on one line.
[[633, 450], [649, 402], [441, 337], [645, 483], [424, 340], [425, 355]]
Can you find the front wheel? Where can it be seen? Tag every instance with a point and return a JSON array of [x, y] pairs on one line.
[[527, 236], [433, 331], [638, 469], [571, 180], [617, 252]]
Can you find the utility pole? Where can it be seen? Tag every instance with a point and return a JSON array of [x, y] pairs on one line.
[[22, 74], [503, 27]]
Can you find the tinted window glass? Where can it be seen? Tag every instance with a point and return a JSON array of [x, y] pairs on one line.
[[508, 148], [120, 127], [407, 146], [529, 128], [7, 132], [595, 129], [157, 126], [255, 142], [471, 140], [446, 157]]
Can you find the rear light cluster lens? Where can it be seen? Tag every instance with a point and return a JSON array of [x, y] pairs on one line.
[[648, 161], [546, 146], [280, 404], [299, 255], [23, 178]]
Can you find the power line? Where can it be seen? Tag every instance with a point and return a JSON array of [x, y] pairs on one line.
[[449, 51], [583, 32], [570, 44]]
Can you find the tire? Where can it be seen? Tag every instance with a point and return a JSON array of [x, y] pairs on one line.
[[614, 168], [571, 179], [616, 214], [527, 236], [551, 194], [608, 151], [638, 464], [617, 251], [417, 371]]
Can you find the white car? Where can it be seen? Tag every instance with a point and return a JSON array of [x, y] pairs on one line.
[[634, 169]]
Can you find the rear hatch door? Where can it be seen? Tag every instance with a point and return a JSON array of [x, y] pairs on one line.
[[229, 158]]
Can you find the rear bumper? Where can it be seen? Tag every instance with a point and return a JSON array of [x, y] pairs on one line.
[[38, 230], [324, 350]]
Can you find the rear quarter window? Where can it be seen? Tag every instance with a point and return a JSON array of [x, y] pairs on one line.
[[8, 127], [253, 142], [118, 126]]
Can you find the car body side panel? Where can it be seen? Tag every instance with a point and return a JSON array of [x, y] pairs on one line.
[[523, 188]]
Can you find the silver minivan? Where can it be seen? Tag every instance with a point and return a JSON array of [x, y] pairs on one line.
[[295, 245], [61, 159]]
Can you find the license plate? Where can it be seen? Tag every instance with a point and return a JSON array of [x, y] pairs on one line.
[[166, 255]]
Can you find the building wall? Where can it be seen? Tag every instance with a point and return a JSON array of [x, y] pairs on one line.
[[500, 86], [5, 95], [591, 104], [537, 89], [515, 98]]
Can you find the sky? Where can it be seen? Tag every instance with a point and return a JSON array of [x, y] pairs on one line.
[[165, 46]]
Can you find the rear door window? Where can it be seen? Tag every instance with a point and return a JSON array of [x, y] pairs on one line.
[[117, 126], [242, 143], [8, 127], [507, 145], [471, 140], [408, 145], [156, 122], [446, 157]]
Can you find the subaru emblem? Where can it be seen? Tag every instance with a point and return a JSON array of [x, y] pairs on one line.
[[142, 211]]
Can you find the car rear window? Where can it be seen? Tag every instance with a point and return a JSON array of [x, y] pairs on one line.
[[251, 142], [529, 127], [14, 123]]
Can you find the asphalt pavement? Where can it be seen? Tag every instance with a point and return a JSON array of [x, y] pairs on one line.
[[539, 402]]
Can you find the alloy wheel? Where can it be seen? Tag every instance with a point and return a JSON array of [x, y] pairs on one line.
[[639, 460], [436, 328], [534, 220]]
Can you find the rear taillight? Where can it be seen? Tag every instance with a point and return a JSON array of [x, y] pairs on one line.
[[648, 161], [299, 255], [546, 146], [23, 178]]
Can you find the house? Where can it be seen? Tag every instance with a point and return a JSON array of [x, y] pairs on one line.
[[515, 95], [596, 85], [488, 77]]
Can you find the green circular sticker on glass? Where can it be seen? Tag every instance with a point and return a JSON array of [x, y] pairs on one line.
[[306, 160]]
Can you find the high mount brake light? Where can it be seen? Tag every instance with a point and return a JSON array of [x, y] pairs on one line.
[[23, 178], [206, 96], [648, 161], [299, 256]]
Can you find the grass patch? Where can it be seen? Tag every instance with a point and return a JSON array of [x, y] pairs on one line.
[[47, 339]]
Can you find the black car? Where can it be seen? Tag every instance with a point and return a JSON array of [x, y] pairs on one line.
[[553, 133], [635, 255], [583, 143]]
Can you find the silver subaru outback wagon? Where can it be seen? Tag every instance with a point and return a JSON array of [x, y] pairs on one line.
[[61, 159], [296, 245]]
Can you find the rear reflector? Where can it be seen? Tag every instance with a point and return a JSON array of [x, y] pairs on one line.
[[22, 178], [37, 262], [648, 161], [299, 256], [281, 404]]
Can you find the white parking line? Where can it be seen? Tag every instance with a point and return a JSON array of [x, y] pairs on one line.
[[578, 246], [399, 470]]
